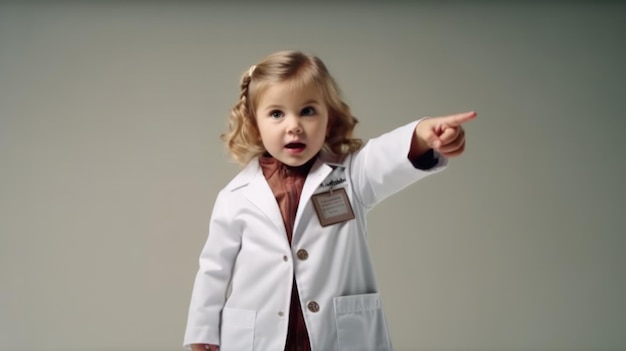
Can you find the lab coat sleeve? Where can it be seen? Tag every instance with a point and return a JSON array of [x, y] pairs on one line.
[[211, 283], [382, 167]]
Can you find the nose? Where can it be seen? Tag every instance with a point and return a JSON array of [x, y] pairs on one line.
[[294, 126]]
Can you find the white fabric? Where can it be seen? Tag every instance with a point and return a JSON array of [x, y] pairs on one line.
[[247, 243]]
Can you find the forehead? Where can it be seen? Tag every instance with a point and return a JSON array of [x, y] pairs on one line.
[[288, 92]]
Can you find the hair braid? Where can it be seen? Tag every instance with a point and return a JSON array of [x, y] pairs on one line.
[[242, 138]]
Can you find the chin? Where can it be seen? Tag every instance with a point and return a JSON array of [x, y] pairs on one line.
[[298, 162], [295, 164]]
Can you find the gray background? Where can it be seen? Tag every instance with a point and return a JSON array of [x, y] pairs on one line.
[[110, 160]]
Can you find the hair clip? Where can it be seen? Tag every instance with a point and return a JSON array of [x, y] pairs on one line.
[[251, 70]]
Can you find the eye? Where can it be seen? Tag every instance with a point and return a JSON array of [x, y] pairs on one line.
[[308, 111], [276, 114]]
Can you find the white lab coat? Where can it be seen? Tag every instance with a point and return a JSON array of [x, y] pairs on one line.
[[247, 248]]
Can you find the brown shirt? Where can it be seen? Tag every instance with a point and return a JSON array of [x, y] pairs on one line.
[[286, 183]]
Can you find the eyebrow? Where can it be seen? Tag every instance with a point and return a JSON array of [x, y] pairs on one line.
[[308, 102]]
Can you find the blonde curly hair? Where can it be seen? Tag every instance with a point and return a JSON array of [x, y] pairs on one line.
[[294, 67]]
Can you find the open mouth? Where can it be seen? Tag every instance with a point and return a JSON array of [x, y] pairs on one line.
[[295, 146]]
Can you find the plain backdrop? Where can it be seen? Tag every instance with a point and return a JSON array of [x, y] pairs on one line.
[[110, 160]]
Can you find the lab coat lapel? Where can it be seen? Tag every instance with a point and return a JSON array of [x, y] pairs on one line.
[[261, 196], [317, 174]]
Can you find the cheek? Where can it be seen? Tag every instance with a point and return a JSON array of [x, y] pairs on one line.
[[328, 124], [261, 134], [256, 133]]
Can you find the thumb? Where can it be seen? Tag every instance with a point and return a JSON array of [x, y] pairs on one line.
[[436, 142]]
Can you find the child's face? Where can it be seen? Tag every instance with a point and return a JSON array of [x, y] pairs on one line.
[[292, 123]]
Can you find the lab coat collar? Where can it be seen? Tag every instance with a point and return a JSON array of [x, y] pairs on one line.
[[323, 165], [256, 189]]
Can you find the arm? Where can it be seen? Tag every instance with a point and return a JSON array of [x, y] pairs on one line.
[[396, 159], [382, 167], [216, 265]]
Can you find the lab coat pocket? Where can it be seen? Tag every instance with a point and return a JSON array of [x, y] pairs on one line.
[[361, 323], [237, 330]]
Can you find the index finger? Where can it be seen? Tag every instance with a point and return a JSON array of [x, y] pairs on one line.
[[458, 119]]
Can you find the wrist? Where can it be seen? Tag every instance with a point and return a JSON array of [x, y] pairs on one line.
[[419, 147]]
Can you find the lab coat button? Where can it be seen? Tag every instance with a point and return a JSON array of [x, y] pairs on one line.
[[280, 314], [313, 306], [285, 258], [302, 254]]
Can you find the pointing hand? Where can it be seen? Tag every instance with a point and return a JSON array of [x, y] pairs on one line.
[[444, 134]]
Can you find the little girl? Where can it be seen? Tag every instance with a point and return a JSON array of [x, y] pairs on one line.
[[286, 263]]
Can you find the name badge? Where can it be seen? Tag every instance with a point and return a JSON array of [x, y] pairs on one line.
[[332, 207]]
